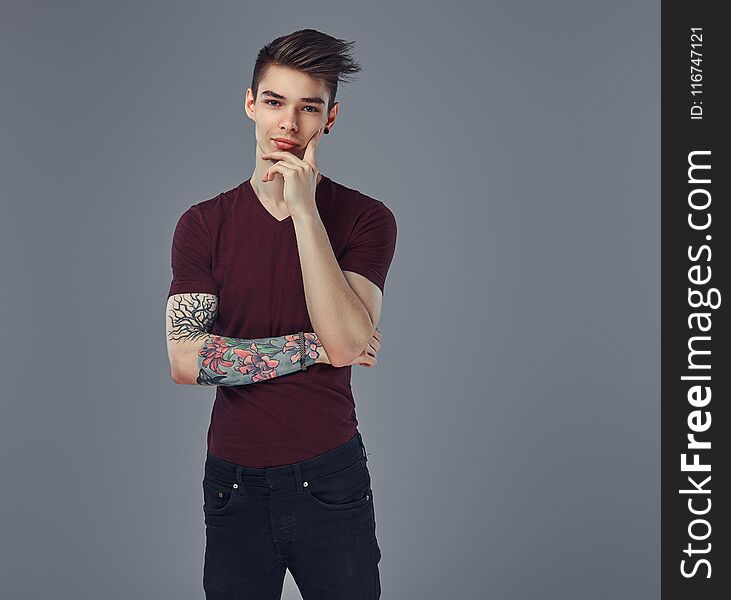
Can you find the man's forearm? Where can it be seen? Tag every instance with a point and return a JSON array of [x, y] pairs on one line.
[[237, 361], [337, 314], [200, 357], [208, 359]]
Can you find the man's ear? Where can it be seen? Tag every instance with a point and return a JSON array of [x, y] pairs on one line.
[[249, 105], [332, 116]]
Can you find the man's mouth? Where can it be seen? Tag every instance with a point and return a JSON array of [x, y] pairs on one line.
[[283, 144]]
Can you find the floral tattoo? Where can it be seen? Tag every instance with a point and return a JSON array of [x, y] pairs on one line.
[[233, 361]]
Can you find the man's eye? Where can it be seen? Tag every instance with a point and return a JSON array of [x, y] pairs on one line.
[[277, 101]]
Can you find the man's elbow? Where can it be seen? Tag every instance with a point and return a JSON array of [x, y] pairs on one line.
[[345, 355], [178, 380], [337, 361], [340, 362], [338, 355], [176, 376], [180, 375]]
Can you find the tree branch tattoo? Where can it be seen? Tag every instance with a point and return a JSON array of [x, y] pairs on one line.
[[192, 316], [235, 361]]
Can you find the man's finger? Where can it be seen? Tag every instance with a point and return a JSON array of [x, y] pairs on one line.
[[281, 155], [278, 168], [311, 149]]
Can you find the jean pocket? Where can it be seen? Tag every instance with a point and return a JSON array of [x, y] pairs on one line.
[[218, 496], [345, 489]]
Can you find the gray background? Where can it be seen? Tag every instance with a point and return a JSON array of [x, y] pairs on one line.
[[513, 418]]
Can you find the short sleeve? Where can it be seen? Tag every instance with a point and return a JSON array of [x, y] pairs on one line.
[[372, 244], [190, 257]]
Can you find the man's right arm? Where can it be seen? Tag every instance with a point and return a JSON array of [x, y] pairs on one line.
[[199, 357]]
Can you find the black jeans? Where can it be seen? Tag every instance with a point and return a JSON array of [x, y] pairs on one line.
[[314, 517]]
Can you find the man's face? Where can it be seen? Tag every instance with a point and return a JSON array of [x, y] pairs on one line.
[[289, 105]]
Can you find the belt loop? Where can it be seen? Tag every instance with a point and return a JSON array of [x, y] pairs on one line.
[[240, 479], [297, 478]]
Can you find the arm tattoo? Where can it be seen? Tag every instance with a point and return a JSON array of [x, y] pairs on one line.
[[235, 361], [192, 316]]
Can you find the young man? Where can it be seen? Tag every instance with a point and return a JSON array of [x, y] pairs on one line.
[[276, 292]]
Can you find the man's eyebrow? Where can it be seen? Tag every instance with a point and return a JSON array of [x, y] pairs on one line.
[[315, 100]]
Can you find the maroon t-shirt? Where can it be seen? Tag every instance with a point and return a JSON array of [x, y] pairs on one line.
[[233, 247]]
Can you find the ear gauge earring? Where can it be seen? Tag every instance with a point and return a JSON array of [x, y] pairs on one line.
[[327, 130]]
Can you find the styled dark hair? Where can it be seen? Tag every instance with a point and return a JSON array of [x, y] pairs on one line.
[[319, 55]]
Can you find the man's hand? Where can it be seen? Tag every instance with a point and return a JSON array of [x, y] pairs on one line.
[[367, 358], [300, 176]]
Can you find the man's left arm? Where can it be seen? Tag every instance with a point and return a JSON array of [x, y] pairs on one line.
[[344, 306], [344, 318]]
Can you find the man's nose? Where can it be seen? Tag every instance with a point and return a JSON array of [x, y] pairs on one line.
[[290, 124]]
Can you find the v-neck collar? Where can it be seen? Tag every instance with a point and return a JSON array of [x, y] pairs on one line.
[[263, 209]]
